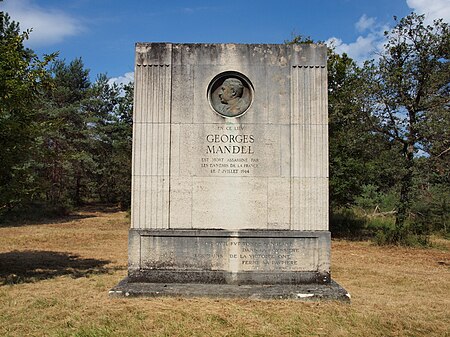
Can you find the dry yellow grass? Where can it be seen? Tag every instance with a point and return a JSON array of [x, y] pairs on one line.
[[55, 277]]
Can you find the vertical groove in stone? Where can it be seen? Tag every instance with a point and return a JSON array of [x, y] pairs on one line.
[[154, 107], [146, 99], [167, 133], [309, 148], [294, 164], [324, 101], [326, 150], [133, 157], [151, 146]]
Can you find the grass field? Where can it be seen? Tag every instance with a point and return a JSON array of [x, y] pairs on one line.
[[55, 277]]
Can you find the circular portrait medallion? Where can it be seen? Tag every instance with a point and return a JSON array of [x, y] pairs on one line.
[[230, 94]]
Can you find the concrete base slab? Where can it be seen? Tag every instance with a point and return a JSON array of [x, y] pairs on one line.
[[304, 292]]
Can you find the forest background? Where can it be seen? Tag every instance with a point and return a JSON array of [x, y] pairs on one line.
[[66, 141]]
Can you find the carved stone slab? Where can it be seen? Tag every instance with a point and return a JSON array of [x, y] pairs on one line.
[[230, 165]]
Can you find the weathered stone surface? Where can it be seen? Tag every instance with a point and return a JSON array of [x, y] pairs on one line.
[[197, 167], [230, 171], [302, 292], [232, 257]]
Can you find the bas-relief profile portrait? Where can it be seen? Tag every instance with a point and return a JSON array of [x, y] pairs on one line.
[[230, 96]]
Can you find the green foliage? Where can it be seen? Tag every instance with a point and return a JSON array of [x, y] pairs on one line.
[[110, 108], [380, 115], [358, 157], [374, 224], [88, 138], [344, 222], [406, 100], [299, 39], [352, 224], [66, 156], [407, 235], [65, 140], [369, 198], [23, 77], [34, 211], [372, 200], [431, 208]]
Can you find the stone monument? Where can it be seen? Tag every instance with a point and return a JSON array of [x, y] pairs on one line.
[[230, 171]]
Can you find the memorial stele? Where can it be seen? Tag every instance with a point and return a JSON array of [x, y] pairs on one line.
[[230, 166]]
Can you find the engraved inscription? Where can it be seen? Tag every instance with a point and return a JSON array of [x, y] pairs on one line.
[[230, 165], [266, 254], [228, 153], [234, 254], [233, 149]]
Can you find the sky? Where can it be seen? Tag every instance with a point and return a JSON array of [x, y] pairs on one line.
[[103, 32]]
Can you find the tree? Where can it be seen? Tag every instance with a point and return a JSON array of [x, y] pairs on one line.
[[67, 159], [358, 157], [23, 78], [110, 109], [406, 98], [64, 140]]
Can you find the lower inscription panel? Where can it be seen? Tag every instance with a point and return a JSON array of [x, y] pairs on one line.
[[253, 256]]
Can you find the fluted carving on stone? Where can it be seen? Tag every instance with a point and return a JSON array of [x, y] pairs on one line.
[[151, 146], [309, 148]]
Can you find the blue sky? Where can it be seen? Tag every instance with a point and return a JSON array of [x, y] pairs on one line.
[[103, 32]]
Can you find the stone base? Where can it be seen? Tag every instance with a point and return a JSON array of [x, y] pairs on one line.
[[241, 257], [304, 292]]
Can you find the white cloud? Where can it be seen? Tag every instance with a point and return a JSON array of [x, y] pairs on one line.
[[366, 46], [49, 26], [365, 23], [433, 9], [192, 10], [362, 49], [125, 79]]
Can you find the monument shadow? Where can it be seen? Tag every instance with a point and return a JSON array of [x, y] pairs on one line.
[[31, 266]]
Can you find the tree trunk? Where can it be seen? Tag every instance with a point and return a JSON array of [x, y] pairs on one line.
[[405, 192]]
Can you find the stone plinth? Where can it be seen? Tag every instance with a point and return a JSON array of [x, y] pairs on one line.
[[303, 292], [229, 257]]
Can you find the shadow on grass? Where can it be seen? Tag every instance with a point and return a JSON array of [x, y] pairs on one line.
[[36, 215], [31, 266], [15, 222]]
